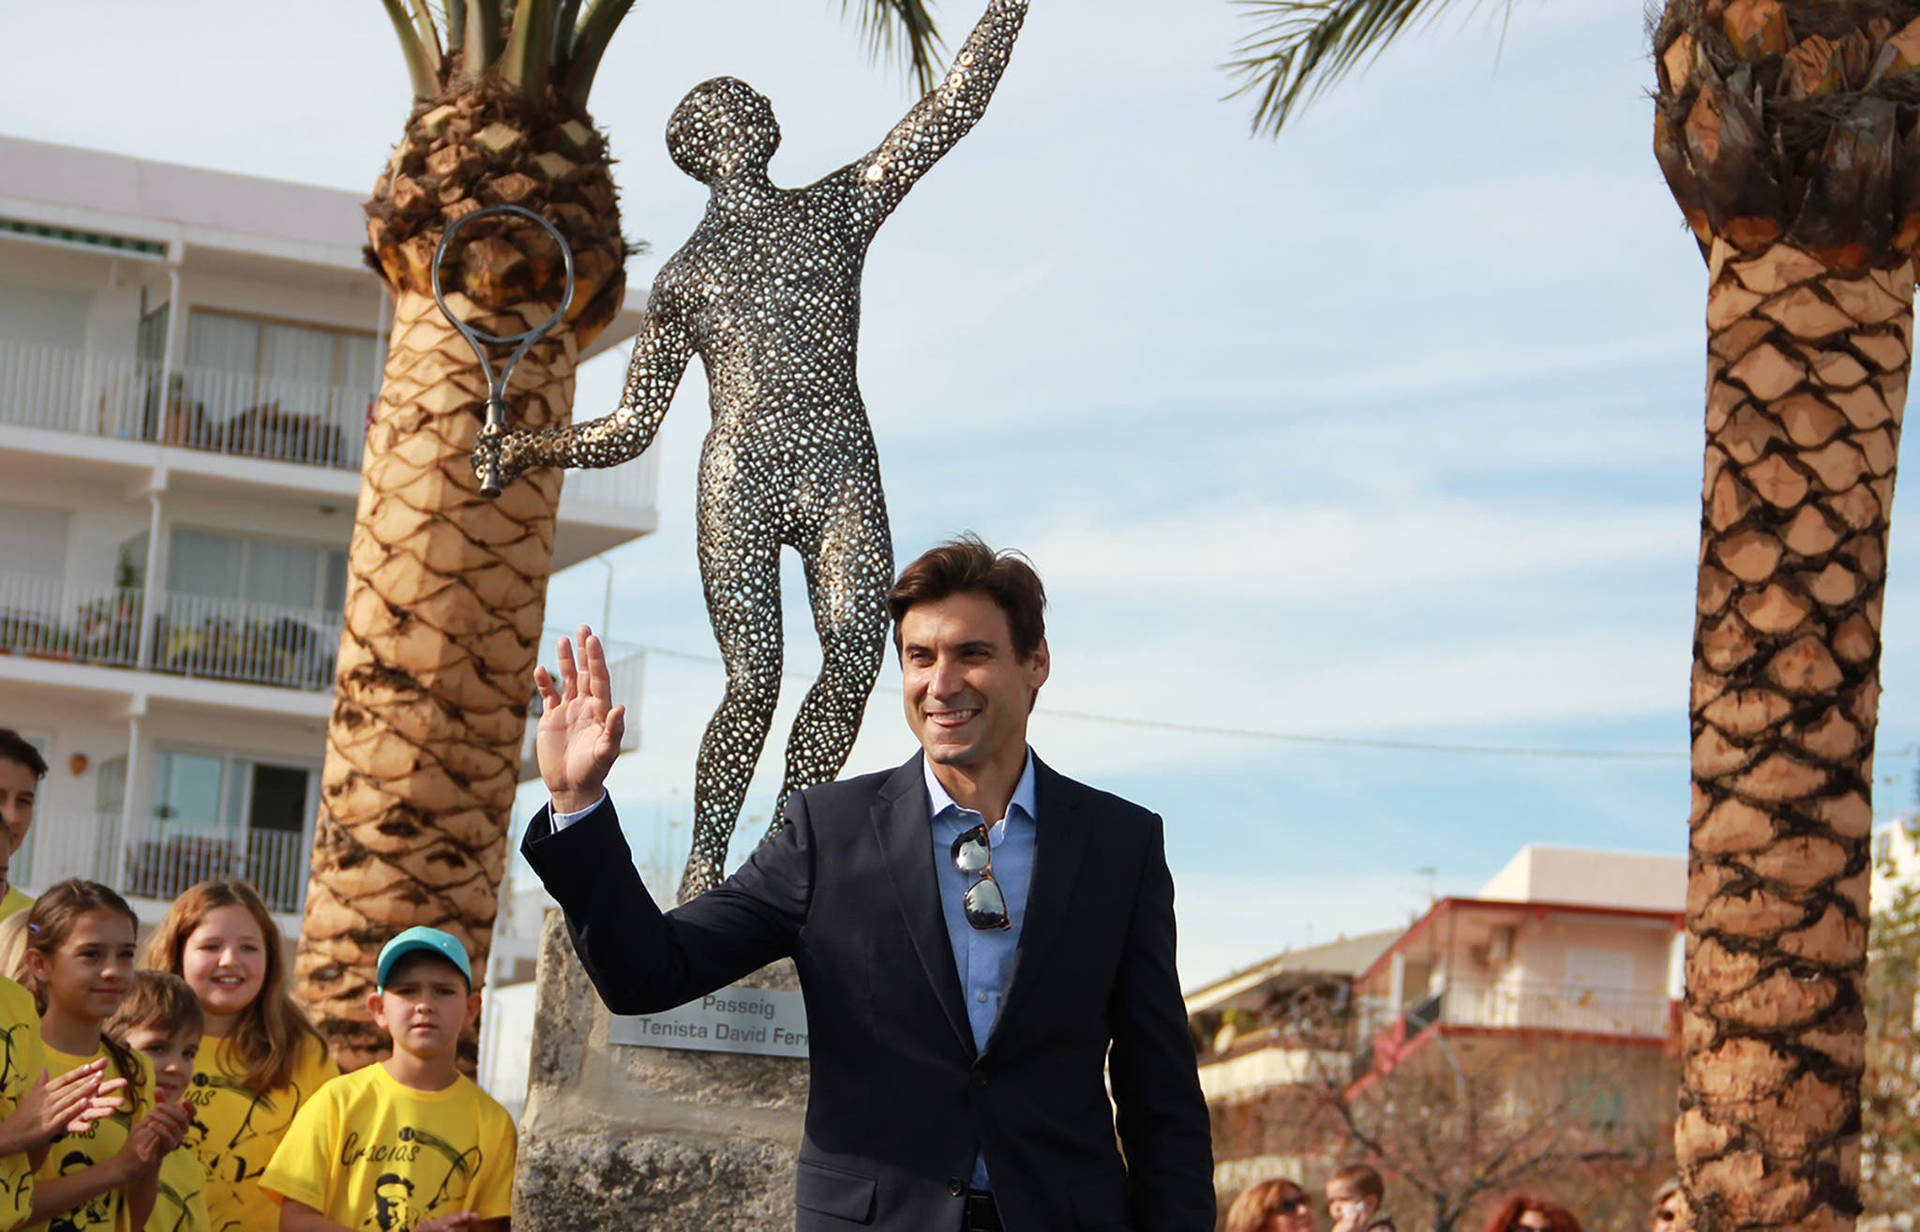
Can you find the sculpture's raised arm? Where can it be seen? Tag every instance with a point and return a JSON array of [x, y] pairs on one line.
[[939, 120], [660, 357]]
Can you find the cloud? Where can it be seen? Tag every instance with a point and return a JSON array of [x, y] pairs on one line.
[[1333, 555]]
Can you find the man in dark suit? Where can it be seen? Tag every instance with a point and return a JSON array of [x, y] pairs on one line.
[[979, 939]]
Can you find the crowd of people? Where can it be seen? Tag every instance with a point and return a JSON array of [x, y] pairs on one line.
[[1356, 1193], [175, 1086]]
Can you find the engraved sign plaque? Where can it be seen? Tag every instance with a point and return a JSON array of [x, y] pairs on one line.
[[767, 1022]]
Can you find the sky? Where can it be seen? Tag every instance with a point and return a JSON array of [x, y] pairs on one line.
[[1386, 433]]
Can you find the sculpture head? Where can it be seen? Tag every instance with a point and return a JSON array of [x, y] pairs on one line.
[[722, 128]]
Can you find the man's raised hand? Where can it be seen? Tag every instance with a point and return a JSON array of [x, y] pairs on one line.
[[580, 727]]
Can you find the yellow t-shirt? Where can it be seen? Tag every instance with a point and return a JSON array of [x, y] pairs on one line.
[[181, 1205], [21, 1060], [235, 1129], [105, 1212], [17, 899], [372, 1154]]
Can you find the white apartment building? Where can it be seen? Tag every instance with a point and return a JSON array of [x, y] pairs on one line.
[[187, 362]]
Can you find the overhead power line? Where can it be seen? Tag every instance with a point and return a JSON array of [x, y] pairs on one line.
[[1250, 733]]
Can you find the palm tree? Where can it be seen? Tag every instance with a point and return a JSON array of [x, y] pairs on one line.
[[446, 588], [1786, 132]]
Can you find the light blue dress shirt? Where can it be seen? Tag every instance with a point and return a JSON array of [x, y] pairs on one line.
[[984, 957]]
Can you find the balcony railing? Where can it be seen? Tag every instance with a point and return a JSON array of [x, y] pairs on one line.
[[238, 414], [1526, 1005], [630, 485], [63, 845], [193, 635], [273, 861], [163, 865], [1270, 1060], [237, 639]]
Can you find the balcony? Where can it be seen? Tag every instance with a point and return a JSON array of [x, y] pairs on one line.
[[1268, 1059], [1526, 1005], [161, 866], [193, 635], [117, 397]]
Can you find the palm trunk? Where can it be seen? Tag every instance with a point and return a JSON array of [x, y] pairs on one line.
[[1807, 375], [445, 595]]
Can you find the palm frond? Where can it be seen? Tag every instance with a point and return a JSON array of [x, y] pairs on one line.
[[564, 22], [529, 51], [590, 38], [423, 21], [893, 27], [483, 35], [1297, 49], [455, 13], [424, 80]]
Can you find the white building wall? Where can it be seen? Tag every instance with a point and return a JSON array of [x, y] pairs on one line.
[[355, 309], [1544, 874]]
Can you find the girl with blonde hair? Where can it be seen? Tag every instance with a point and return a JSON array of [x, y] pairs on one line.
[[259, 1060]]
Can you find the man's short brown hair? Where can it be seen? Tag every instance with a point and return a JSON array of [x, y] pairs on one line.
[[14, 748], [964, 566]]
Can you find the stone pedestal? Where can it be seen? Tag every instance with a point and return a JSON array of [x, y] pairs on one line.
[[618, 1138]]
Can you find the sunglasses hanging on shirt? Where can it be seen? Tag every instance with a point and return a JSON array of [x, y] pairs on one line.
[[984, 905]]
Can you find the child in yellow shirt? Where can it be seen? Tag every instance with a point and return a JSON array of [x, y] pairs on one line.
[[409, 1144], [38, 1111], [259, 1058], [78, 965], [161, 1020]]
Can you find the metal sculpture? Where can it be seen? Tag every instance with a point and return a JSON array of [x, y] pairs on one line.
[[496, 425], [767, 293]]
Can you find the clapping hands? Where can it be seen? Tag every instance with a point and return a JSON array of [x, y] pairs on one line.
[[157, 1133]]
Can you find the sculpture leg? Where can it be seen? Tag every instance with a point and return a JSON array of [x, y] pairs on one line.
[[740, 568], [849, 572]]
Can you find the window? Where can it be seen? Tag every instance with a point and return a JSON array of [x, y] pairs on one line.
[[226, 815], [214, 565], [240, 362]]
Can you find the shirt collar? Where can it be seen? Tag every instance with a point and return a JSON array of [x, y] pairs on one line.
[[940, 801]]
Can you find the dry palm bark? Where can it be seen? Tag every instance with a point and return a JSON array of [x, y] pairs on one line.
[[446, 588], [1787, 134]]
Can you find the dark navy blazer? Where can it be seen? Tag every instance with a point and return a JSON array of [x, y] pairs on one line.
[[900, 1099]]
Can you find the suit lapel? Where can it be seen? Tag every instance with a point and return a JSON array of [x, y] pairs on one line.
[[906, 845], [1063, 828]]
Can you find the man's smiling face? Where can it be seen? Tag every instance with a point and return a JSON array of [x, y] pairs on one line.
[[967, 692]]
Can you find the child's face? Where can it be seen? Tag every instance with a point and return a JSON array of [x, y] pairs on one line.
[[87, 974], [18, 788], [425, 1006], [225, 961], [172, 1057], [1345, 1203]]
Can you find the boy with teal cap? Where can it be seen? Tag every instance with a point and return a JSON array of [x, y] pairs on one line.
[[409, 1144]]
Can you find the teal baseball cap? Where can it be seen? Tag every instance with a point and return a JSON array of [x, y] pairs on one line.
[[421, 939]]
